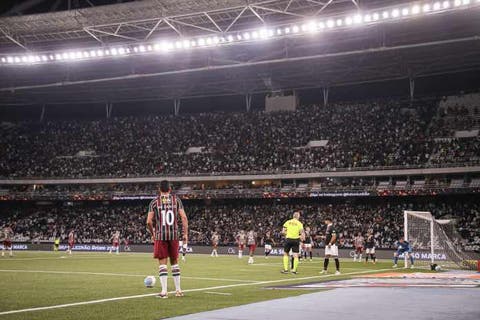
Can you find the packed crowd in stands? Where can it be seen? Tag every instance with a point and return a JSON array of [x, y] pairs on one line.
[[359, 135], [97, 224]]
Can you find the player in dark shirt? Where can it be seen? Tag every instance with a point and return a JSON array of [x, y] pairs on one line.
[[331, 249], [162, 222], [308, 244], [268, 243], [370, 248]]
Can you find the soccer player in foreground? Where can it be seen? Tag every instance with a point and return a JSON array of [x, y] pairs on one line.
[[331, 249], [293, 231], [405, 248], [162, 223]]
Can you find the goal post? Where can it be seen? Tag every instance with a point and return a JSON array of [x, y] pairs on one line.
[[435, 241]]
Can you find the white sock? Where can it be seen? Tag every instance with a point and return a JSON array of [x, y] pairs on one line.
[[354, 257], [117, 251], [240, 254], [163, 275], [11, 252], [360, 257], [176, 277]]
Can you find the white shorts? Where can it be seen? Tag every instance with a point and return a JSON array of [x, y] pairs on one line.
[[181, 245], [332, 251], [307, 245], [268, 247], [370, 251]]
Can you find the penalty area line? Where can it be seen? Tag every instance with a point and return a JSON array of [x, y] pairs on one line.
[[188, 290]]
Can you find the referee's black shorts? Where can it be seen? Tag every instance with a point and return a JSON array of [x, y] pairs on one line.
[[291, 244]]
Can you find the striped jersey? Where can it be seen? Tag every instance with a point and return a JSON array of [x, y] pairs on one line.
[[166, 209]]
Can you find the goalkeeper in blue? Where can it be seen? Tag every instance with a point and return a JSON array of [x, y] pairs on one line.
[[403, 247]]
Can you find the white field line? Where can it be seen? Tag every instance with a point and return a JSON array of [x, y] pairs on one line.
[[219, 293], [115, 274], [189, 290]]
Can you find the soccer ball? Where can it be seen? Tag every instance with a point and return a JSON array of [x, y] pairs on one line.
[[438, 268], [149, 281]]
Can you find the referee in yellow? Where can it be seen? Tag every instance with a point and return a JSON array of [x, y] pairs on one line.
[[293, 231]]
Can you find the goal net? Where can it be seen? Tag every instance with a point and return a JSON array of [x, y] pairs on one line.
[[435, 242]]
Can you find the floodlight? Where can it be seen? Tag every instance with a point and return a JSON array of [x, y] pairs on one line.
[[348, 21], [395, 13], [330, 23], [295, 29], [357, 19], [405, 12], [416, 9], [426, 7]]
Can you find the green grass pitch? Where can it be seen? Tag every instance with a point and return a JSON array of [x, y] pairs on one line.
[[42, 279]]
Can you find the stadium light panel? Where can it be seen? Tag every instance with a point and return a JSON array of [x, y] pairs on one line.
[[416, 9], [426, 7], [348, 21], [466, 2], [287, 30], [279, 32], [114, 51], [339, 22], [405, 12], [357, 19], [246, 35], [186, 44], [395, 13], [254, 35], [330, 24], [121, 50], [385, 15], [367, 18], [44, 58], [295, 29], [142, 48], [321, 25], [17, 60], [209, 41], [375, 16], [201, 41], [4, 59], [312, 26], [230, 38], [446, 4]]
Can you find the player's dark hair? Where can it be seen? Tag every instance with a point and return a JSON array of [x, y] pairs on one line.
[[328, 219], [164, 186]]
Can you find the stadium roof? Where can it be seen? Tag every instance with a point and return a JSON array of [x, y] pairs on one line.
[[412, 48]]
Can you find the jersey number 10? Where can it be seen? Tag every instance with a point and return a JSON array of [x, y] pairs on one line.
[[167, 217]]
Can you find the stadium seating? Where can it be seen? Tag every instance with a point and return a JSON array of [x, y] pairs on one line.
[[365, 135]]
